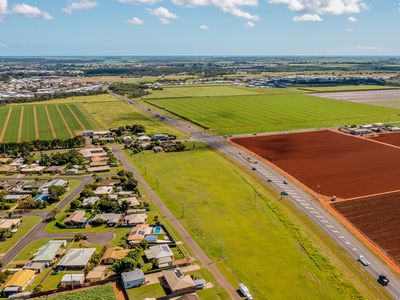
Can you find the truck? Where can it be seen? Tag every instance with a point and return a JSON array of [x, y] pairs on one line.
[[245, 291]]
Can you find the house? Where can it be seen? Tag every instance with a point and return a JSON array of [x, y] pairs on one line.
[[99, 159], [103, 190], [178, 282], [54, 170], [72, 171], [114, 254], [124, 194], [10, 224], [161, 255], [76, 220], [109, 219], [133, 201], [97, 274], [15, 198], [126, 139], [110, 182], [138, 233], [134, 219], [98, 164], [18, 282], [143, 139], [93, 152], [77, 258], [5, 160], [99, 169], [55, 182], [38, 267], [161, 137], [7, 168], [72, 280], [47, 254], [133, 278], [90, 201], [32, 169]]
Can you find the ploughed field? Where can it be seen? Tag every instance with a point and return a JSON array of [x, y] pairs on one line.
[[378, 218], [331, 163], [389, 138]]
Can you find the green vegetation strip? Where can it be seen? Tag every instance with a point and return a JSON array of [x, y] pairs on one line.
[[242, 228], [105, 292], [59, 127], [43, 123], [28, 125], [11, 134]]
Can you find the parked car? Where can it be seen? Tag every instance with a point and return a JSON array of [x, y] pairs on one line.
[[383, 280], [363, 261]]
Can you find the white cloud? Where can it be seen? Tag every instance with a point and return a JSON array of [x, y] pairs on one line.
[[352, 19], [321, 7], [163, 14], [30, 11], [232, 7], [139, 1], [3, 6], [81, 5], [249, 24], [204, 27], [134, 21], [307, 18]]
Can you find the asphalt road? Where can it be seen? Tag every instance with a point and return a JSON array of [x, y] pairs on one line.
[[188, 240], [303, 201]]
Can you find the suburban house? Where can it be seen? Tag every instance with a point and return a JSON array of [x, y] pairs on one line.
[[144, 139], [139, 232], [72, 280], [32, 169], [76, 220], [77, 258], [133, 201], [93, 152], [55, 182], [103, 190], [48, 253], [178, 282], [110, 219], [99, 169], [72, 171], [37, 267], [134, 219], [18, 282], [114, 254], [97, 274], [90, 201], [133, 278], [10, 224], [160, 255], [54, 170]]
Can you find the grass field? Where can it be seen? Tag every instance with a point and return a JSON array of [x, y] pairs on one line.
[[105, 292], [341, 88], [266, 113], [234, 218], [43, 121], [31, 249], [28, 222]]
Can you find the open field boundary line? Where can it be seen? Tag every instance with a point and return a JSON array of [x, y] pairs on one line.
[[35, 122], [21, 124], [368, 139], [75, 116], [367, 196], [3, 132], [53, 132], [64, 121]]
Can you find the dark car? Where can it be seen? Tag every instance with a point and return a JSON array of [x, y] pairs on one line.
[[382, 279], [254, 169]]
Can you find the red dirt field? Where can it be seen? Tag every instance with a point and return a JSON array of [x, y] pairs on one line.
[[389, 138], [331, 163], [376, 217]]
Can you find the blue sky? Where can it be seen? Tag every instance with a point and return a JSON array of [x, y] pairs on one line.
[[199, 27]]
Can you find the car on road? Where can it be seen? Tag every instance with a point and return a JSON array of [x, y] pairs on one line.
[[363, 261], [383, 280], [269, 180], [254, 169], [285, 182], [56, 272]]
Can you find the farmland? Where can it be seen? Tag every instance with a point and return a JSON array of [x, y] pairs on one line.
[[276, 112], [341, 88], [235, 220], [358, 167], [43, 121]]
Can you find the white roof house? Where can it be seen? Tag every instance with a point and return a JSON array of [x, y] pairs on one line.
[[77, 257], [162, 254], [49, 251], [90, 201], [103, 190]]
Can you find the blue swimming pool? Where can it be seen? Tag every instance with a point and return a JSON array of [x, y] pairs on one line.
[[42, 197], [157, 229]]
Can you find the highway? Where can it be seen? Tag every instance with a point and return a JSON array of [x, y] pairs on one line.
[[306, 203]]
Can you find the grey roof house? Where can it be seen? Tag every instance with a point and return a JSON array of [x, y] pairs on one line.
[[133, 278]]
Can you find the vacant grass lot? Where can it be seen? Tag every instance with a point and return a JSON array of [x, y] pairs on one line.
[[105, 292], [28, 222], [201, 91], [240, 227], [43, 121], [266, 113]]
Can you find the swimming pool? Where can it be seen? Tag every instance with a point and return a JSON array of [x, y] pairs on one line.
[[157, 230]]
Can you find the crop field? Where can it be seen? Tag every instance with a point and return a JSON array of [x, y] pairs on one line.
[[342, 88], [369, 97], [235, 218], [267, 113], [43, 121], [331, 163], [377, 218], [200, 91]]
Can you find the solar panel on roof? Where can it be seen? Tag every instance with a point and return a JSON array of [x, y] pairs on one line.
[[178, 273]]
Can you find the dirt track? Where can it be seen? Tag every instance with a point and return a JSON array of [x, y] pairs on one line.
[[378, 218], [331, 163]]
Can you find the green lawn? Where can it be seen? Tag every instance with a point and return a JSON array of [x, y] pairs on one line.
[[146, 291], [234, 218], [105, 292], [266, 113], [200, 91], [31, 249], [28, 222], [43, 126]]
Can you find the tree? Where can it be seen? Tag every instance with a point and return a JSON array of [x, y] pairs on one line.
[[56, 191], [124, 265], [124, 206]]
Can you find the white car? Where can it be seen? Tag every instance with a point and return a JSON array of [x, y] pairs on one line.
[[363, 261]]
